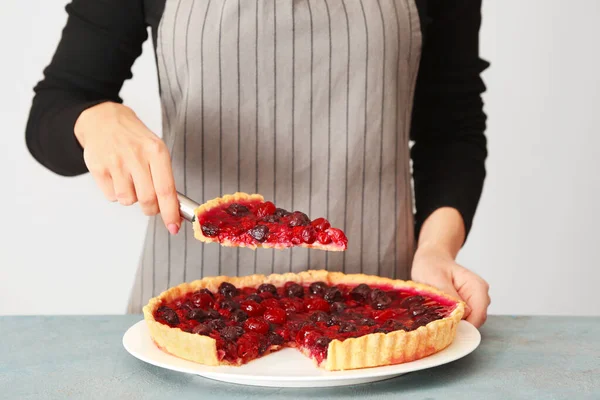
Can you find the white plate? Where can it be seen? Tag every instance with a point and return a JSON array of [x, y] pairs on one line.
[[289, 368]]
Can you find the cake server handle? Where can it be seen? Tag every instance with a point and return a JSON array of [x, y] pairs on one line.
[[187, 207]]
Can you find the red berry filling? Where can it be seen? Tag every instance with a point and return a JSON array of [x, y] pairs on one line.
[[246, 323], [253, 223]]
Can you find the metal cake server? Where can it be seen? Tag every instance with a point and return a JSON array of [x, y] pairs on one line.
[[187, 207]]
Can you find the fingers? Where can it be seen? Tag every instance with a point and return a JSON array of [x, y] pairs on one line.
[[105, 183], [164, 186], [123, 187], [144, 189], [478, 300]]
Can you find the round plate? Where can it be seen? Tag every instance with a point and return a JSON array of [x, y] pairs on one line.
[[289, 368]]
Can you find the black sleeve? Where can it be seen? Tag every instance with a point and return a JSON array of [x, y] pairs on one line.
[[100, 42], [448, 124]]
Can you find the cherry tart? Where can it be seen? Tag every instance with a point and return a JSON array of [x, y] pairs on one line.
[[247, 220], [340, 321]]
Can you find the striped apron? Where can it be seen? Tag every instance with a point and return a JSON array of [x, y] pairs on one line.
[[306, 102]]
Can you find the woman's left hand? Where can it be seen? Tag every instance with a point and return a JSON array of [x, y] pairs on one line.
[[437, 268]]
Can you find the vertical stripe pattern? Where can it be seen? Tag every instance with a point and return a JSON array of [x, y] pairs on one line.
[[306, 102]]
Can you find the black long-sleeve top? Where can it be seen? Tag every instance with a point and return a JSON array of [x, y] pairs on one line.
[[103, 38]]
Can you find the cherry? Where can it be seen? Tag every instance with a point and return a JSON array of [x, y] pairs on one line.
[[338, 307], [293, 305], [337, 235], [259, 233], [256, 325], [226, 289], [274, 339], [213, 314], [298, 219], [202, 300], [360, 292], [253, 308], [249, 347], [232, 332], [317, 288], [317, 303], [379, 299], [264, 209], [294, 290], [237, 210], [393, 325], [320, 224], [202, 329], [323, 238], [275, 315], [296, 325], [308, 335], [366, 322], [416, 311], [267, 287], [319, 316], [239, 316], [209, 229], [334, 320], [168, 314], [309, 235], [274, 303], [205, 291], [197, 314], [333, 294]]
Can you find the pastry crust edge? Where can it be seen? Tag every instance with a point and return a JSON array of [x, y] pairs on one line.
[[241, 196], [372, 350]]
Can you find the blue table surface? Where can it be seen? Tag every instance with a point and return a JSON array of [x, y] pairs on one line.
[[82, 357]]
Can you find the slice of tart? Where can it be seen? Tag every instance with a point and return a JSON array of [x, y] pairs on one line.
[[340, 321], [247, 220]]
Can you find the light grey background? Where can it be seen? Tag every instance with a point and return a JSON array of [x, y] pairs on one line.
[[64, 250]]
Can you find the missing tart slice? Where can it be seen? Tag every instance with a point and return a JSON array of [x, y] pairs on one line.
[[247, 220], [340, 321]]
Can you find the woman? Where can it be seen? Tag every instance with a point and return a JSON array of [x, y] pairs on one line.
[[310, 103]]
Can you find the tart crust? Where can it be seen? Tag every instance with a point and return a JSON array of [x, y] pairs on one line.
[[372, 350], [242, 197]]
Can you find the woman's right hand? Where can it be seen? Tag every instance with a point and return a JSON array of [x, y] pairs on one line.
[[129, 163]]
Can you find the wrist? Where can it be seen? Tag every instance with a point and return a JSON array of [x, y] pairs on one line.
[[88, 119], [443, 232]]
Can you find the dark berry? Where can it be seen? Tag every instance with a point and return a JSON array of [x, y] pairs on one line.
[[321, 224], [254, 297], [226, 289], [232, 332], [296, 325], [366, 322], [239, 316], [380, 330], [347, 327], [237, 210], [267, 287], [309, 235], [379, 299], [298, 219], [393, 325], [338, 307], [169, 315], [317, 288], [333, 294], [213, 314], [412, 301], [216, 324], [319, 316], [361, 292], [281, 212], [334, 320], [229, 305], [202, 329], [262, 346], [322, 342], [259, 233], [272, 219], [197, 314], [274, 339], [209, 229], [422, 321], [417, 310], [294, 290], [257, 325]]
